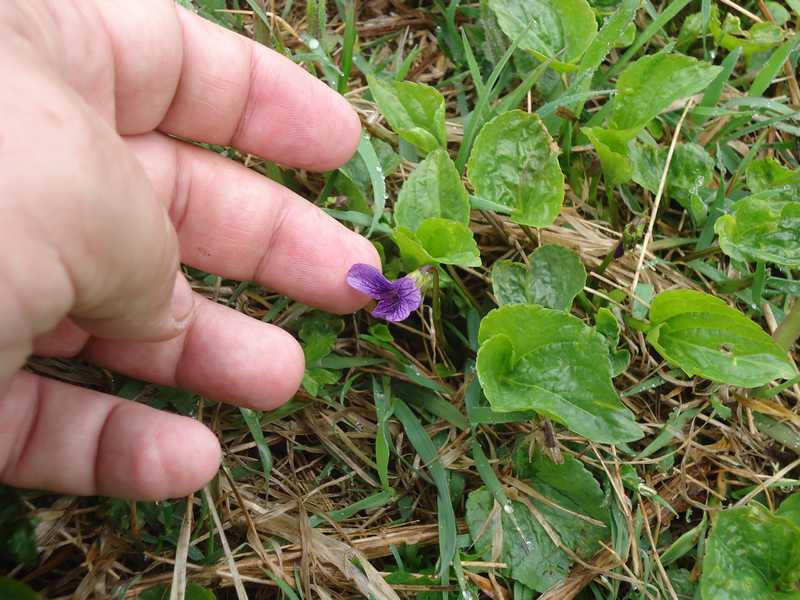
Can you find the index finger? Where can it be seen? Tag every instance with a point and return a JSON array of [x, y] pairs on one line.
[[228, 90]]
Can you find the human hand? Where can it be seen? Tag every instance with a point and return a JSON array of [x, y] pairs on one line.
[[99, 204]]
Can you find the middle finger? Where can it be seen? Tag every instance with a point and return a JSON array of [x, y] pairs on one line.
[[238, 224]]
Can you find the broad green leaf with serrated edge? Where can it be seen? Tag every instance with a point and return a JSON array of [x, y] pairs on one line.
[[550, 29], [15, 590], [434, 189], [651, 84], [533, 558], [763, 227], [534, 358], [769, 175], [438, 241], [556, 275], [704, 336], [515, 163], [752, 553], [414, 110]]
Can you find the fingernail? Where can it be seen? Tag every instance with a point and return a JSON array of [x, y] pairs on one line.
[[182, 299]]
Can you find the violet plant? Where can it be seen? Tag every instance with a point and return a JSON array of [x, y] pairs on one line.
[[396, 300]]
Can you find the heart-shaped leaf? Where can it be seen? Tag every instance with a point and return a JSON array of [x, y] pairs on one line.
[[651, 84], [704, 336], [558, 30], [555, 276], [515, 163], [434, 189], [753, 554], [729, 33], [533, 558], [414, 110], [613, 150], [534, 358], [438, 241], [763, 227], [767, 174]]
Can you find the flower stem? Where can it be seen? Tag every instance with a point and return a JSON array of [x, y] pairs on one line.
[[789, 331]]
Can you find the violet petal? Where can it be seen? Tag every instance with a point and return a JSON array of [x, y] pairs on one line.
[[404, 298], [369, 280]]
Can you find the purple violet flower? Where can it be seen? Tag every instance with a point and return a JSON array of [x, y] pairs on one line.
[[396, 299]]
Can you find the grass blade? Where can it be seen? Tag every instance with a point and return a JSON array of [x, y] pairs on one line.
[[773, 65], [252, 419], [422, 443]]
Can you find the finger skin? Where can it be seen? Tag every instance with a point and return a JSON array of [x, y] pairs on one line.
[[224, 355], [236, 223], [71, 440], [225, 89]]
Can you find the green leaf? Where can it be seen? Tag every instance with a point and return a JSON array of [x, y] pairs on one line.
[[157, 592], [414, 110], [691, 169], [763, 227], [16, 590], [752, 553], [550, 29], [704, 336], [318, 332], [556, 275], [790, 509], [651, 84], [438, 241], [434, 189], [515, 163], [606, 323], [767, 174], [522, 541], [730, 35], [691, 30], [196, 591], [534, 358], [613, 150]]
